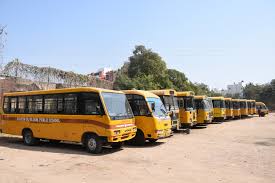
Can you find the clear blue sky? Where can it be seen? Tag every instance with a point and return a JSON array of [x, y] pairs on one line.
[[217, 42]]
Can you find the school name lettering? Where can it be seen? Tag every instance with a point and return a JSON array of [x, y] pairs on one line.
[[40, 120]]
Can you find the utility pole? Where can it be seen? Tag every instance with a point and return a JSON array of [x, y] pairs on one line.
[[3, 35]]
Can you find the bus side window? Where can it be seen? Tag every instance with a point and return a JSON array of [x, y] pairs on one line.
[[6, 105], [13, 105], [35, 104], [70, 103], [21, 105], [88, 103], [60, 104], [50, 104]]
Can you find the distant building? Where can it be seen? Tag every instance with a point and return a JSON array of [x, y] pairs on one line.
[[216, 90], [105, 74], [236, 88]]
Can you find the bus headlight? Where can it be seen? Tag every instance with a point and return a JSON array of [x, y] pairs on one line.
[[117, 132], [159, 132]]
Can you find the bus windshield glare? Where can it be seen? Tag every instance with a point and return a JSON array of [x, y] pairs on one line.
[[160, 110], [202, 104], [117, 106]]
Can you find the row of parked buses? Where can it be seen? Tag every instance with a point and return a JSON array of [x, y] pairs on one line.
[[99, 117]]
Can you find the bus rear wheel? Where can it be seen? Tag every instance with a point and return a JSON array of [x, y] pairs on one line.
[[29, 139], [93, 144]]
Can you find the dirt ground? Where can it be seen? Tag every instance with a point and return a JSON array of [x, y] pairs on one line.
[[235, 151]]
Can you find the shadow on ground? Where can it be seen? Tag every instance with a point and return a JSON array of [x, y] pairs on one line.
[[44, 146], [266, 142], [199, 127], [147, 145]]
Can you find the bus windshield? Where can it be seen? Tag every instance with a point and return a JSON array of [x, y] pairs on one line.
[[160, 110], [210, 103], [170, 103], [218, 103], [202, 104], [189, 103], [117, 106], [228, 104]]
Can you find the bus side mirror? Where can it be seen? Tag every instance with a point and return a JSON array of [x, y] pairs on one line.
[[98, 110], [153, 106]]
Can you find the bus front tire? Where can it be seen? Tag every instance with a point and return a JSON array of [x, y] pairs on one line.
[[139, 139], [29, 139], [93, 144], [117, 145]]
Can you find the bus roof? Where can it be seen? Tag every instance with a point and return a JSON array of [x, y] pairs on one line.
[[217, 98], [200, 97], [141, 92], [235, 100], [185, 93], [166, 92], [243, 100], [260, 103], [230, 99], [63, 90]]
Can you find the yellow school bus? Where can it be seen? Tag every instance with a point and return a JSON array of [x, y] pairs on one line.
[[152, 120], [188, 114], [218, 108], [203, 108], [244, 107], [262, 109], [95, 117], [236, 108], [168, 97], [229, 108], [251, 107]]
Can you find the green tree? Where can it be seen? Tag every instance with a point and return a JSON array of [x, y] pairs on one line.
[[264, 93], [145, 70], [251, 91], [145, 62], [178, 79]]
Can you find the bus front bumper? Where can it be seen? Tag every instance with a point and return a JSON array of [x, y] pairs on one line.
[[123, 134], [161, 134]]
